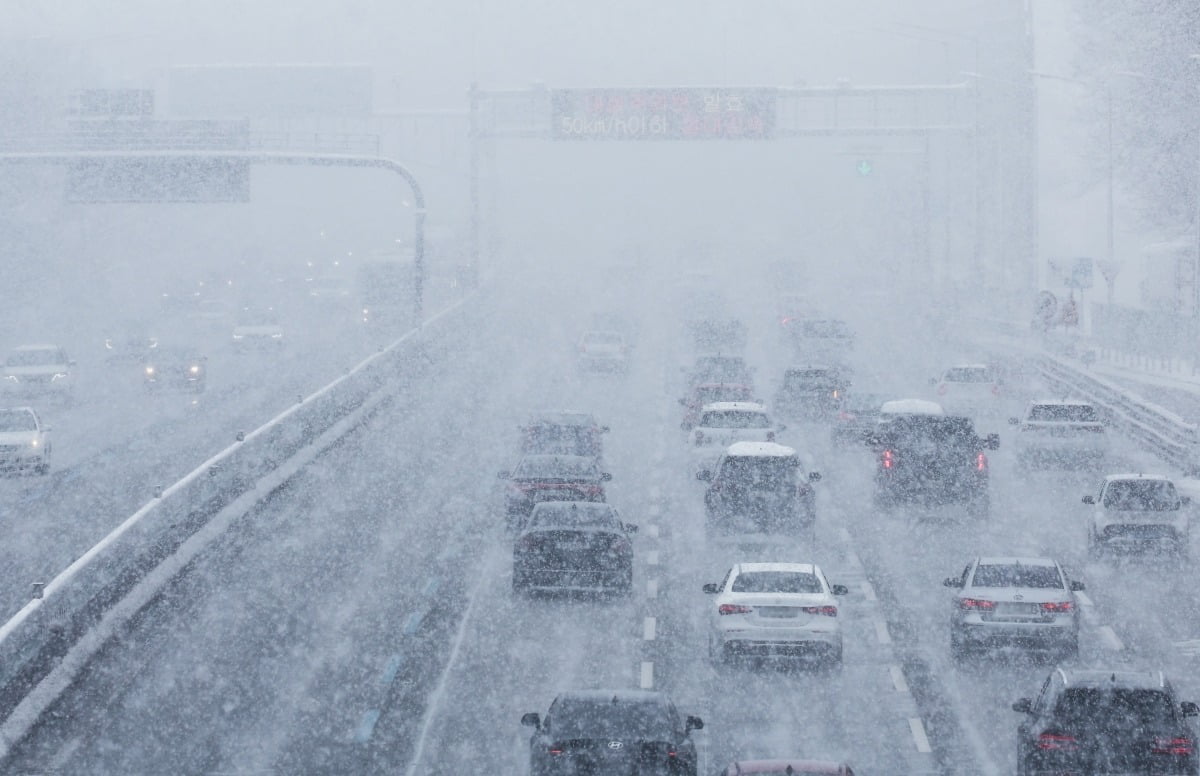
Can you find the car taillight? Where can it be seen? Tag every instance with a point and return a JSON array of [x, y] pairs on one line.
[[828, 611], [845, 416], [555, 750], [976, 604], [733, 609], [1056, 742], [1058, 606], [889, 459], [835, 393], [980, 462], [1167, 745], [619, 544], [942, 388]]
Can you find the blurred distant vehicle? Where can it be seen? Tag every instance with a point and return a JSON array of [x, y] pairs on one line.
[[1026, 602], [563, 433], [1069, 433], [811, 392], [385, 292], [176, 368], [329, 289], [763, 486], [603, 351], [969, 389], [539, 478], [1138, 512], [571, 545], [718, 334], [775, 610], [857, 415], [608, 321], [257, 328], [818, 340], [707, 393], [129, 344], [24, 442], [578, 734], [725, 422], [39, 371], [791, 766], [719, 368]]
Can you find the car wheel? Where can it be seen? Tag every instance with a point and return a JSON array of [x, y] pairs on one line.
[[42, 469], [1071, 651]]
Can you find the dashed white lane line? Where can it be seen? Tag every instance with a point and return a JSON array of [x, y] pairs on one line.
[[652, 531], [647, 679], [1083, 599], [868, 591], [918, 734], [652, 558], [1110, 638], [652, 588], [649, 628], [898, 680], [881, 631]]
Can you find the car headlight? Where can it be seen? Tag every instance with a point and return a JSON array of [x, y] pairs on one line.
[[239, 336], [149, 371], [194, 369], [108, 344], [277, 335], [59, 376], [12, 378], [33, 442]]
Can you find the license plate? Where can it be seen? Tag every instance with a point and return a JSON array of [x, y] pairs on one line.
[[777, 611], [1018, 610]]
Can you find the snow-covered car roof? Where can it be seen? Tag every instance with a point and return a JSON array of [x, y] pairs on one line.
[[561, 418], [799, 568], [998, 560], [734, 406], [1137, 476], [29, 348], [759, 450], [699, 386], [911, 407]]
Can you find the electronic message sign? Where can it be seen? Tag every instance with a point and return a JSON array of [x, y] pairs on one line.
[[683, 113]]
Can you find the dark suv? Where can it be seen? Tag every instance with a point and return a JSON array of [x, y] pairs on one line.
[[761, 483], [606, 731], [933, 460], [1105, 722]]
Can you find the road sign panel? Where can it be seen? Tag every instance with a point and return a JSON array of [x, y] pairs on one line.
[[158, 179], [685, 113]]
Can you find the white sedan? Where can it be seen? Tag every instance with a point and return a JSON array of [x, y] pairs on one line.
[[24, 442], [723, 423], [775, 610], [603, 351]]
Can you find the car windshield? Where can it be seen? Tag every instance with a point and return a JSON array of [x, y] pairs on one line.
[[1017, 575], [573, 515], [548, 438], [730, 369], [1151, 495], [602, 338], [968, 374], [1064, 413], [16, 420], [539, 466], [734, 419], [41, 357], [759, 472], [609, 719], [714, 393], [1114, 708], [174, 356], [776, 582]]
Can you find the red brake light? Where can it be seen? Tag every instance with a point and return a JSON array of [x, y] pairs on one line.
[[976, 603], [1056, 742], [1179, 746], [942, 388], [980, 462], [889, 459], [828, 611], [555, 750], [733, 609], [845, 416], [1058, 606], [996, 390]]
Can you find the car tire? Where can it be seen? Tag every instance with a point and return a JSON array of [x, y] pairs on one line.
[[1070, 652], [42, 469]]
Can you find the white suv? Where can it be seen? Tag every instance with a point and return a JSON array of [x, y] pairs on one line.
[[24, 442], [1137, 511], [38, 371], [1060, 432]]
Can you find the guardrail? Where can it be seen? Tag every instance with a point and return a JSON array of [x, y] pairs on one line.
[[42, 632]]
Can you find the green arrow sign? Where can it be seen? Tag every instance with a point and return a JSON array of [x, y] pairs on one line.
[[864, 167]]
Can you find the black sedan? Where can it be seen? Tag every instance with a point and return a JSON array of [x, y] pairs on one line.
[[572, 545], [539, 478], [175, 368]]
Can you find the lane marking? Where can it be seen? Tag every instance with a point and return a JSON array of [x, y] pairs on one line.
[[881, 631], [918, 734], [652, 531], [868, 591], [647, 679], [652, 588], [649, 627], [898, 680], [431, 587], [1110, 638], [652, 558], [392, 668], [1083, 598], [366, 726], [413, 622]]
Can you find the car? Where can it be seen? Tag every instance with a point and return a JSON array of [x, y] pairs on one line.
[[794, 765], [722, 423], [707, 393], [178, 368], [1137, 512], [969, 389], [129, 344], [24, 442], [857, 416], [1062, 433], [257, 328], [574, 545], [329, 289], [932, 460], [563, 433], [761, 484], [811, 392], [39, 371], [1105, 721], [612, 731], [772, 610], [1014, 601], [719, 368], [603, 351], [539, 478]]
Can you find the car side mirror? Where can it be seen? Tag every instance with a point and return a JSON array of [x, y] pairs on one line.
[[604, 429], [1185, 500], [933, 381], [693, 723], [1189, 709], [814, 476], [992, 441], [1077, 586], [712, 588], [629, 528], [704, 475], [952, 582], [1014, 421], [1089, 499], [839, 590], [1024, 706], [605, 477], [532, 719], [504, 475]]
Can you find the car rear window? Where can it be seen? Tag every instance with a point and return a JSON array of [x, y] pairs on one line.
[[573, 515], [968, 374], [1064, 413], [614, 719], [1114, 708], [776, 582], [35, 358], [826, 329], [1148, 495], [759, 471], [932, 432], [554, 466], [1016, 575], [734, 419], [710, 394]]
